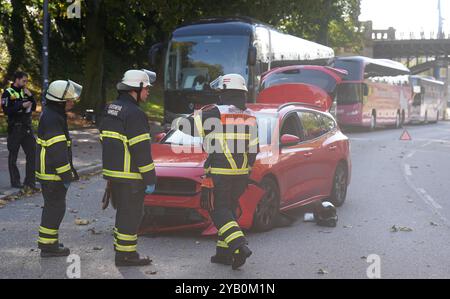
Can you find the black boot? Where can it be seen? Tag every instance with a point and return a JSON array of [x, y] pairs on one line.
[[222, 259], [131, 260], [54, 251], [240, 256]]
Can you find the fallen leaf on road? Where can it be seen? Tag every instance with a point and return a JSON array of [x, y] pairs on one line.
[[395, 229], [73, 211], [406, 229], [348, 226], [3, 202], [322, 272], [433, 224], [151, 272], [79, 221], [97, 248], [94, 232]]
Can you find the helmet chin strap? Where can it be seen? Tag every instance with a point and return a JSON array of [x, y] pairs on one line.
[[141, 86]]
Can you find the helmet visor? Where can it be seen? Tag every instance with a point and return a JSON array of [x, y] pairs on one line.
[[73, 91], [216, 84]]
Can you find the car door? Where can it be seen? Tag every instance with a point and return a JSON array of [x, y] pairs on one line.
[[293, 162], [314, 137]]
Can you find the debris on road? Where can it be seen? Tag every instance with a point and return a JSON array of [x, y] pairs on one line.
[[433, 224], [73, 211], [395, 229], [80, 221], [151, 272], [94, 232], [322, 272], [97, 248], [309, 217]]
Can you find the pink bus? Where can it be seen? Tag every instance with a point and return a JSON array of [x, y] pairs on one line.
[[376, 93]]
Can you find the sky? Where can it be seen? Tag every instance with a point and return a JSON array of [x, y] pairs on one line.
[[406, 15]]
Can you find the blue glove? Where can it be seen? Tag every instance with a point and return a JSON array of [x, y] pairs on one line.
[[150, 189], [67, 185]]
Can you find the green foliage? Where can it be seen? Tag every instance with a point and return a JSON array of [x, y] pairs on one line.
[[113, 36]]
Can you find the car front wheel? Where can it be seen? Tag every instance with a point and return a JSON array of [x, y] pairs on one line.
[[268, 208], [339, 191]]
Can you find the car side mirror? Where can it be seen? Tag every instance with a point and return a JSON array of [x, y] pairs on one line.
[[289, 140], [160, 137], [252, 56]]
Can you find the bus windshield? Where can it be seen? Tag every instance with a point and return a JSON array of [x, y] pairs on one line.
[[349, 93], [352, 67], [313, 77], [193, 62]]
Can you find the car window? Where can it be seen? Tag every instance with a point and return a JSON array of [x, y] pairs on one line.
[[291, 126], [311, 125], [328, 124]]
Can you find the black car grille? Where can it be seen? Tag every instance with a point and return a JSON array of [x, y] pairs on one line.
[[175, 186], [168, 217]]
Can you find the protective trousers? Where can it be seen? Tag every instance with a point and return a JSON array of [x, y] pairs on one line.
[[20, 135], [227, 191]]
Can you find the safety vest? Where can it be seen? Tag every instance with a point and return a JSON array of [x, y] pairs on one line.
[[14, 94], [238, 128]]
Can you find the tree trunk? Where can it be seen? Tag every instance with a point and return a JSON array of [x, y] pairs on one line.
[[93, 92], [16, 42]]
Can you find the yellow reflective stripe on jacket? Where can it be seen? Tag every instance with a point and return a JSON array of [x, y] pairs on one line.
[[48, 231], [245, 162], [199, 125], [222, 244], [63, 169], [227, 171], [227, 153], [147, 168], [47, 241], [51, 141], [48, 177], [138, 139], [234, 236], [110, 134], [42, 158], [254, 142], [122, 175], [227, 226]]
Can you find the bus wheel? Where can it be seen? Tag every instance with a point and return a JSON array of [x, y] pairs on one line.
[[373, 122]]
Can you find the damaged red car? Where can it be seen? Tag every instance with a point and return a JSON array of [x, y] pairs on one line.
[[304, 157]]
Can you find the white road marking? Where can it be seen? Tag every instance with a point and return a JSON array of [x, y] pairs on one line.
[[429, 198], [408, 170]]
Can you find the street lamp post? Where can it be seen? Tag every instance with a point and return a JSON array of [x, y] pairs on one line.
[[45, 51]]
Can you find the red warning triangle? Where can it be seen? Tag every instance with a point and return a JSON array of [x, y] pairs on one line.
[[405, 136]]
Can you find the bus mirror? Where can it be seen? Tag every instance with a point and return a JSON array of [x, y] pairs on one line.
[[417, 89], [154, 53], [252, 56]]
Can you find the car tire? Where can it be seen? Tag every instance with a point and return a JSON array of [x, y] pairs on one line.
[[266, 212], [339, 189]]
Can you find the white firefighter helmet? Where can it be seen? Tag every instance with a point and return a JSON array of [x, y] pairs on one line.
[[63, 90], [134, 80], [230, 81]]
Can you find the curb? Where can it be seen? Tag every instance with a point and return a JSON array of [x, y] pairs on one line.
[[87, 170]]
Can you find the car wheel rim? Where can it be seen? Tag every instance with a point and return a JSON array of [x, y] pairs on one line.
[[266, 208], [340, 186]]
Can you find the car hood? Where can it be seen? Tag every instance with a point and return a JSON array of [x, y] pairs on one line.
[[297, 92], [167, 155]]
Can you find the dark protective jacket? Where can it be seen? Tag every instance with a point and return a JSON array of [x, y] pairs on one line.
[[232, 149], [125, 135], [12, 105], [54, 146]]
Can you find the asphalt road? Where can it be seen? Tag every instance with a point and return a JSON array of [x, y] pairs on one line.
[[401, 183]]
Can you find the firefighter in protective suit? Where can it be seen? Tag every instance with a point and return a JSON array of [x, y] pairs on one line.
[[54, 168], [232, 152], [127, 163]]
